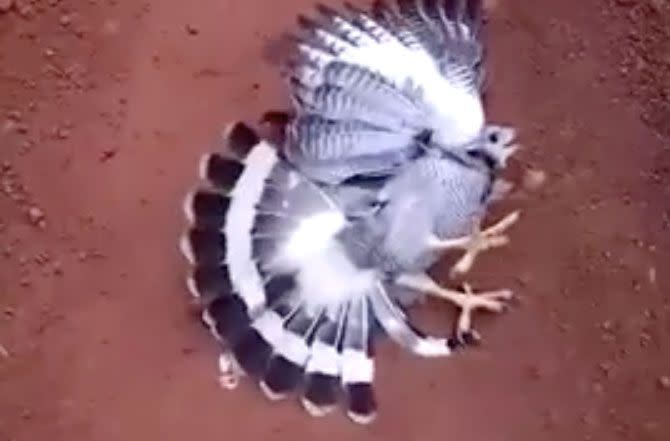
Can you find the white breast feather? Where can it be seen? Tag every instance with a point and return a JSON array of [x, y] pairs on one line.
[[330, 278]]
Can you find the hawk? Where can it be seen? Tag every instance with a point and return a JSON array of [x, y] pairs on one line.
[[304, 252]]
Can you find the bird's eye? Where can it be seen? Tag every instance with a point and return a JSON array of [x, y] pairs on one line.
[[493, 137]]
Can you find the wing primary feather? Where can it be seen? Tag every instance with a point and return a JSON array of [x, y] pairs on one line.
[[347, 28], [323, 34]]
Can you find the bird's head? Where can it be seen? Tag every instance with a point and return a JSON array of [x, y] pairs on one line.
[[494, 146]]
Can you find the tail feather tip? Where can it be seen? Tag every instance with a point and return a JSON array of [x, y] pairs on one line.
[[203, 166], [187, 207], [269, 393], [186, 249], [362, 418], [316, 410], [192, 287], [362, 406], [240, 138]]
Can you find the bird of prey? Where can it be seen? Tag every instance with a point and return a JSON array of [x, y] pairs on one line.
[[304, 251], [297, 279], [374, 89]]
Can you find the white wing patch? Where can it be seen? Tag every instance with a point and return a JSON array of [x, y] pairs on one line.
[[457, 112]]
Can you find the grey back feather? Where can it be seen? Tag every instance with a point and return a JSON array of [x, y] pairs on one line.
[[432, 196]]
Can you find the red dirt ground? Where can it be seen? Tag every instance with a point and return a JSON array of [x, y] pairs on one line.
[[107, 104]]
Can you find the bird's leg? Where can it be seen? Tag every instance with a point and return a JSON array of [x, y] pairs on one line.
[[477, 242], [467, 301]]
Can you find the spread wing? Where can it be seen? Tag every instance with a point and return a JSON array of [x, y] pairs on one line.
[[372, 84]]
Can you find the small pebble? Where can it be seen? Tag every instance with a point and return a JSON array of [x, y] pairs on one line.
[[65, 20], [606, 368], [57, 269], [62, 133], [597, 388], [534, 179], [652, 275], [14, 115], [607, 325], [192, 30], [36, 216], [664, 382], [534, 372], [107, 155], [111, 27]]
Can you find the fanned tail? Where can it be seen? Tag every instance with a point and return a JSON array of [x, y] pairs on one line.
[[276, 285], [259, 243]]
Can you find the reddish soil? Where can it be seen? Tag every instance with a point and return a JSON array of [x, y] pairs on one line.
[[107, 104]]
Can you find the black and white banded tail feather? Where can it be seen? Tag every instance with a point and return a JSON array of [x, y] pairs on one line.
[[243, 220], [342, 365], [357, 363]]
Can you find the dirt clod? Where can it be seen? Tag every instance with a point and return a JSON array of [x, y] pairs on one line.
[[36, 216]]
